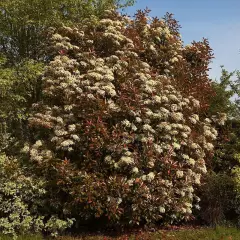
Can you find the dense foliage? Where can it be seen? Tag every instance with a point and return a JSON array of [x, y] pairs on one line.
[[116, 131], [108, 118], [23, 22], [21, 202], [23, 53], [20, 87], [220, 191]]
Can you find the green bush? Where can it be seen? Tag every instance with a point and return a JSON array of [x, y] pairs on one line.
[[236, 177], [218, 199], [21, 197]]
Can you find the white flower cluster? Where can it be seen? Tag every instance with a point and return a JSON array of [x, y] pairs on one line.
[[127, 158]]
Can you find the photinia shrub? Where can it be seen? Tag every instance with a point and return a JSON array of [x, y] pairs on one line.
[[120, 134]]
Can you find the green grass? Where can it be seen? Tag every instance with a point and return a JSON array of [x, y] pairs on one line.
[[29, 237], [220, 233]]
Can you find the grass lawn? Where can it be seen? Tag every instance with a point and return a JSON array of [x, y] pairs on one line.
[[33, 237], [220, 233]]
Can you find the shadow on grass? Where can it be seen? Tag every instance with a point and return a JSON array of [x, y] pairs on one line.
[[219, 233]]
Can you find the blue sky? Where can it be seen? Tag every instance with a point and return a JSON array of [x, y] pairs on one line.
[[217, 20]]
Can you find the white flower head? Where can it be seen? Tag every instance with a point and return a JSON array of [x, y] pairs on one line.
[[196, 103], [67, 143], [191, 161], [126, 123], [138, 120], [76, 137], [37, 144], [150, 176], [161, 209], [179, 174], [197, 179], [127, 160], [135, 170], [72, 128], [25, 149], [177, 116], [59, 120], [134, 128], [176, 145]]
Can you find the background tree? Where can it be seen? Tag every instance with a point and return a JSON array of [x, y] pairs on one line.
[[20, 86], [226, 99], [23, 22], [220, 191]]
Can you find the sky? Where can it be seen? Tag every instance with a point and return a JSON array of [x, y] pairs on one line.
[[216, 20]]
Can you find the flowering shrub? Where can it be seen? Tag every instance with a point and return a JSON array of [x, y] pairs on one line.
[[21, 197], [119, 129]]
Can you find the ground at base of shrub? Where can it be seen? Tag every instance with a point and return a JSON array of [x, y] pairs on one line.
[[219, 233]]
